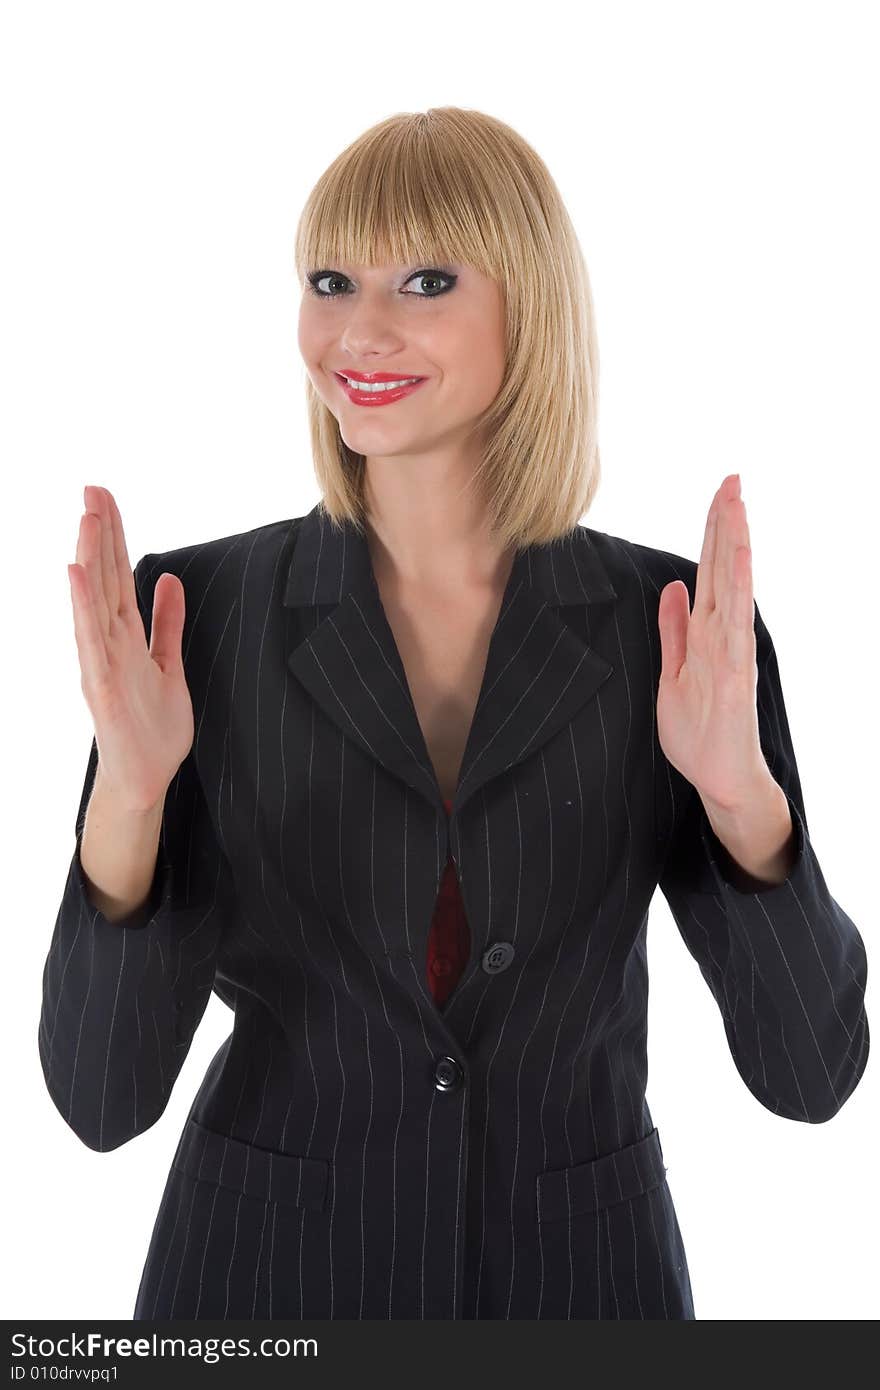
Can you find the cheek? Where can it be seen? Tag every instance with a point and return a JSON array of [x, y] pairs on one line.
[[302, 330], [473, 358], [488, 372], [315, 356], [321, 380], [312, 339], [486, 353]]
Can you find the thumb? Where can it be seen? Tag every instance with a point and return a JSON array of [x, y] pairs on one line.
[[169, 613], [673, 616]]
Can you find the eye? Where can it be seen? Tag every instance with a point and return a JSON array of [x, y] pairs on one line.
[[434, 275], [314, 278]]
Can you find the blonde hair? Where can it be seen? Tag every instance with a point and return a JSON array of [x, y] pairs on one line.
[[454, 184]]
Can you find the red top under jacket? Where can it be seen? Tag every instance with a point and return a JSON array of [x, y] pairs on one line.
[[449, 940]]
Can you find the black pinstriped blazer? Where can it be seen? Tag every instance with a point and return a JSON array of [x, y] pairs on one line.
[[353, 1150]]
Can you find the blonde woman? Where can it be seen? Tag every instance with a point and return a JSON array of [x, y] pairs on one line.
[[398, 780]]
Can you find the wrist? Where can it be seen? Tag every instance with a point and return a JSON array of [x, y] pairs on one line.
[[757, 833], [758, 788], [115, 802]]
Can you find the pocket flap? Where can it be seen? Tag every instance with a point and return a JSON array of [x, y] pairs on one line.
[[267, 1174], [613, 1177]]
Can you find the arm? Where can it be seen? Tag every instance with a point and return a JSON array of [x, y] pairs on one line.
[[121, 999], [785, 963], [119, 851]]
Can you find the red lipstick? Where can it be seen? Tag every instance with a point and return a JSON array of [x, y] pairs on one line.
[[371, 399]]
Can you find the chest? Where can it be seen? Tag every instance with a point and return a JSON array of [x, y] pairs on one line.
[[328, 734], [443, 642]]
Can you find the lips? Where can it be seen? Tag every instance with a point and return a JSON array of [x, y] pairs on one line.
[[372, 399], [372, 377]]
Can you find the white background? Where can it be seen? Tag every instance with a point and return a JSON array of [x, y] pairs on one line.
[[719, 164]]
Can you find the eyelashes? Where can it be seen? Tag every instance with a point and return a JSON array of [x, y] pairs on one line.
[[315, 276]]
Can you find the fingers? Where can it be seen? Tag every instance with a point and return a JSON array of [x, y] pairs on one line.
[[108, 555], [733, 533], [127, 594], [721, 573], [725, 529], [704, 594], [89, 554], [742, 634], [98, 500], [88, 608], [104, 586]]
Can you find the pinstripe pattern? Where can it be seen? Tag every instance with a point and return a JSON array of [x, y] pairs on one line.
[[354, 1151]]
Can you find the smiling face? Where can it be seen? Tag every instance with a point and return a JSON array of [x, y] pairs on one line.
[[442, 323]]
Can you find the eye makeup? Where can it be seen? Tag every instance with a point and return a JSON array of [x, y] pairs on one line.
[[434, 272]]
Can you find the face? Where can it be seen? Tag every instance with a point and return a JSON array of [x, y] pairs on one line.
[[443, 324]]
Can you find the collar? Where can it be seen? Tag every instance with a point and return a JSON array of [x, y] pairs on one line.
[[329, 562]]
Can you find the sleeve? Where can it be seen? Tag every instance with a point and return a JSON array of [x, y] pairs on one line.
[[121, 1000], [785, 963]]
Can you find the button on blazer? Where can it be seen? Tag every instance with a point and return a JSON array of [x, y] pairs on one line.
[[355, 1151]]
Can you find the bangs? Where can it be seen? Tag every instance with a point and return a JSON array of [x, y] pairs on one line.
[[405, 195]]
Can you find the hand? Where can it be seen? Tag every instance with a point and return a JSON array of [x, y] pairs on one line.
[[707, 717], [138, 697]]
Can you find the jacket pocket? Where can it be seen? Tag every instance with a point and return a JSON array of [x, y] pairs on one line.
[[267, 1174], [603, 1181]]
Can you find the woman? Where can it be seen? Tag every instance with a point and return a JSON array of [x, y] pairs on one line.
[[399, 788]]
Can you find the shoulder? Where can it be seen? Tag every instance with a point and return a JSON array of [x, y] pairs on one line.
[[635, 569], [223, 561], [639, 573]]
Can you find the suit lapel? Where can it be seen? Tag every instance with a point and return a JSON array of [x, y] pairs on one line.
[[539, 672]]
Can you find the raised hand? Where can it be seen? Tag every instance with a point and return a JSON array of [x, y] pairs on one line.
[[707, 718], [138, 697]]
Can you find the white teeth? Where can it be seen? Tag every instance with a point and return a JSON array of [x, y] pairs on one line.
[[380, 385]]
